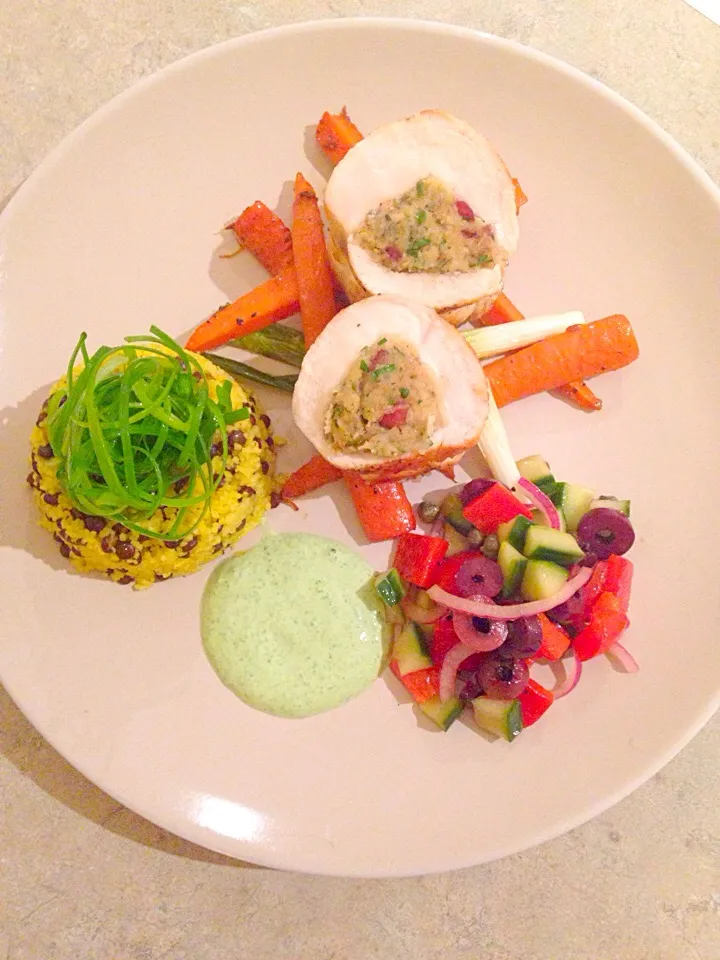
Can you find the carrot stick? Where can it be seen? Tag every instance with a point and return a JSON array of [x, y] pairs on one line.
[[383, 509], [310, 476], [263, 233], [335, 134], [314, 275], [505, 311], [582, 351], [276, 299]]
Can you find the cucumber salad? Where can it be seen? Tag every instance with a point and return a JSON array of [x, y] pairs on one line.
[[506, 577]]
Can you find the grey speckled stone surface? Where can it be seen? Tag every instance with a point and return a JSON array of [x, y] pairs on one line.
[[81, 878]]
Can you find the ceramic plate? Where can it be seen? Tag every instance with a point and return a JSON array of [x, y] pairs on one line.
[[119, 229]]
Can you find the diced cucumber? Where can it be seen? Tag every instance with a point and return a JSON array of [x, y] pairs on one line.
[[536, 470], [542, 579], [514, 531], [443, 714], [457, 542], [612, 503], [501, 717], [574, 501], [452, 509], [390, 587], [544, 543], [410, 650], [512, 563]]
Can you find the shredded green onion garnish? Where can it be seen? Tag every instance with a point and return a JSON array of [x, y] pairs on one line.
[[134, 429]]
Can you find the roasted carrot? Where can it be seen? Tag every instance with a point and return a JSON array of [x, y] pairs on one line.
[[502, 311], [263, 233], [310, 476], [579, 393], [314, 275], [520, 195], [582, 351], [383, 509], [505, 311], [335, 134], [273, 300]]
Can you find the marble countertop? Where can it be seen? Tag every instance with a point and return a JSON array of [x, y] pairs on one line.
[[83, 878]]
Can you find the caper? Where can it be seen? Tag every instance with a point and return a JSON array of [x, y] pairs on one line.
[[428, 511], [475, 538], [490, 546]]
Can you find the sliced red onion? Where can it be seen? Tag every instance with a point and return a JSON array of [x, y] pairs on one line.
[[413, 611], [448, 672], [573, 669], [541, 500], [618, 654], [478, 640], [485, 608]]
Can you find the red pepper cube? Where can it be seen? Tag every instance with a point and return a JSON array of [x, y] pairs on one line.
[[554, 640], [422, 685], [494, 506], [534, 701], [618, 579], [607, 623], [594, 587], [417, 558], [448, 570]]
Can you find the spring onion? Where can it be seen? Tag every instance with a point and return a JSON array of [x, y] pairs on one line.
[[243, 371], [492, 341], [133, 429], [276, 342], [495, 446]]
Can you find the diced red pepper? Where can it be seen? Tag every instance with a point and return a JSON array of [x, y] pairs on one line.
[[422, 685], [534, 701], [618, 579], [495, 505], [554, 639], [417, 558], [594, 587], [448, 570], [607, 623], [443, 639]]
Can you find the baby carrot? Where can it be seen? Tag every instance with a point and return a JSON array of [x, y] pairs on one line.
[[505, 311], [383, 509], [310, 476], [314, 275], [582, 351], [335, 134], [276, 299], [263, 233]]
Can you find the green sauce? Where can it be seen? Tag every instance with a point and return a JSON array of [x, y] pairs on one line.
[[294, 625]]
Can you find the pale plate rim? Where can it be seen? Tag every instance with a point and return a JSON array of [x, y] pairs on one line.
[[274, 858]]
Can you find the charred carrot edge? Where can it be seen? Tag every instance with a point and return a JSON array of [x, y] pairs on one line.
[[505, 311], [335, 134], [383, 509], [276, 299], [310, 476], [263, 233], [585, 350], [312, 266]]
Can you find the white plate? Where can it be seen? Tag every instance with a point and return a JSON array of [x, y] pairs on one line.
[[119, 229]]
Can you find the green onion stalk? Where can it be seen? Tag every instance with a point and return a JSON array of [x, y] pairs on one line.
[[133, 430]]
